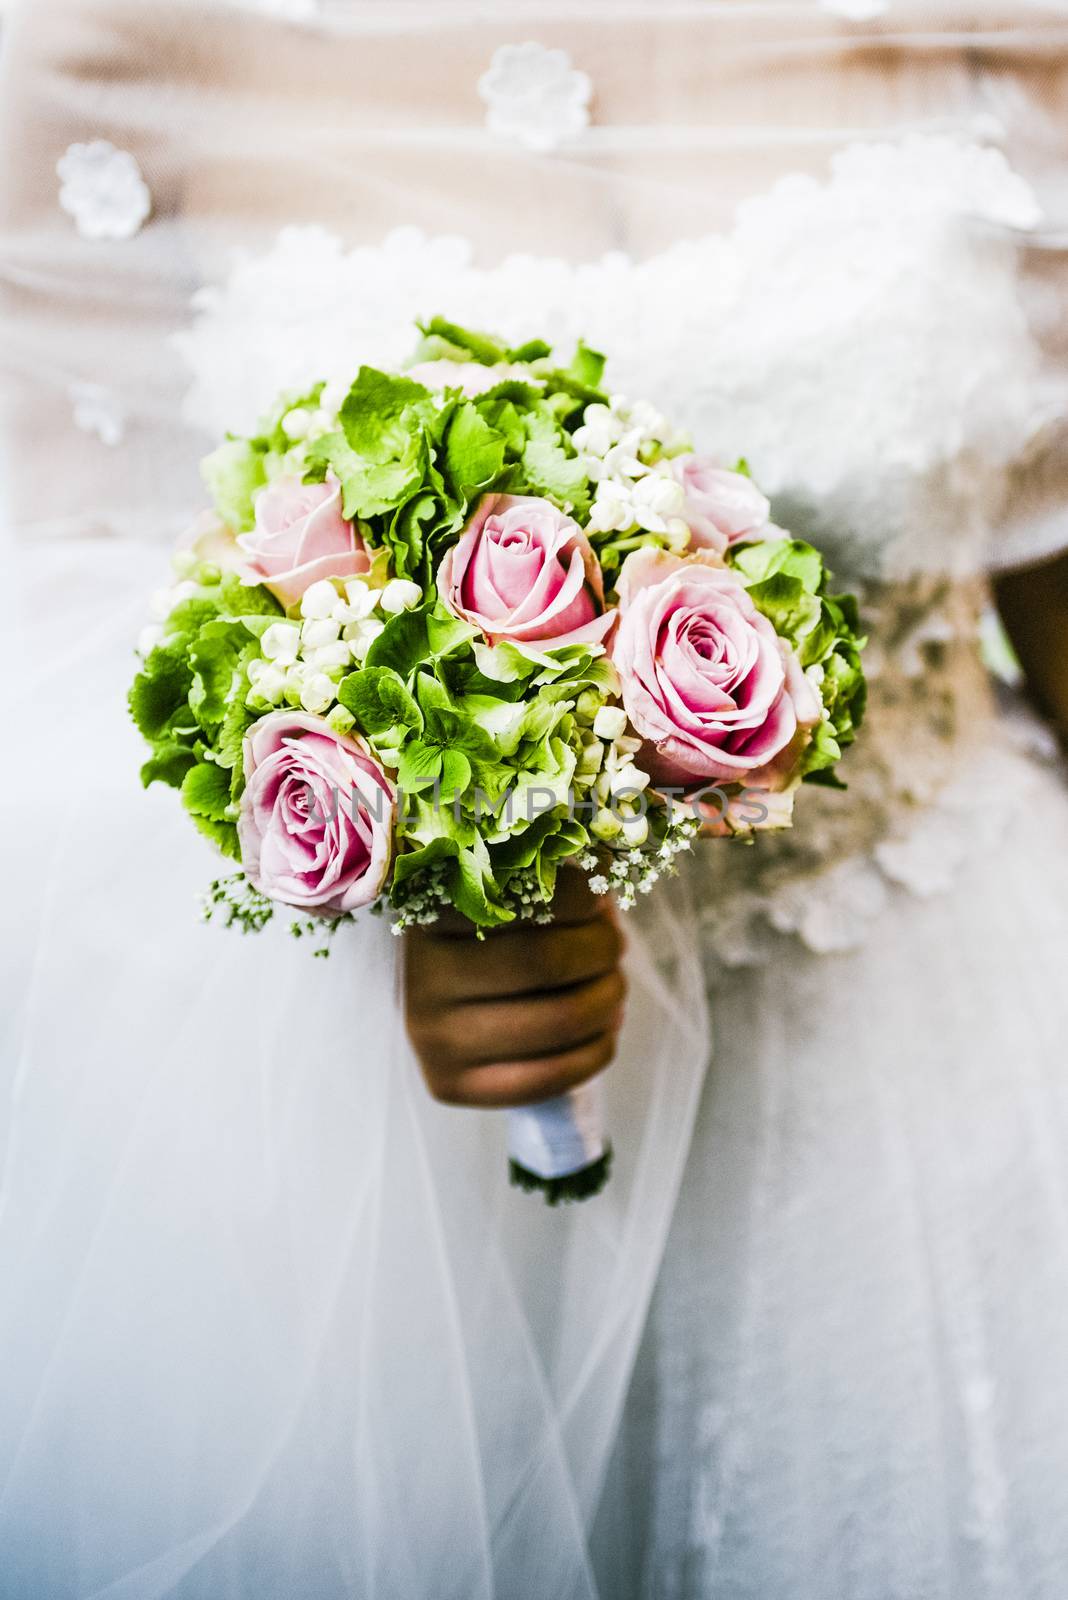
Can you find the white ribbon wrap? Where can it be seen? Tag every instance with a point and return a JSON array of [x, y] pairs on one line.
[[557, 1137]]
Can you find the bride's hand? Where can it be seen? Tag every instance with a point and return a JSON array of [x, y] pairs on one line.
[[522, 1015]]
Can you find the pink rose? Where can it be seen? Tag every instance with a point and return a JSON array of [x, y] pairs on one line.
[[706, 679], [525, 572], [721, 507], [300, 536], [473, 377], [316, 818]]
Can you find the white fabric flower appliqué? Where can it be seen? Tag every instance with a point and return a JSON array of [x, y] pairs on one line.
[[856, 10], [103, 190], [535, 96], [96, 410]]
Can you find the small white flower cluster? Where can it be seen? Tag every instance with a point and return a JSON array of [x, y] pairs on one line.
[[302, 662], [424, 900], [606, 765], [630, 873], [308, 422], [621, 447], [528, 901]]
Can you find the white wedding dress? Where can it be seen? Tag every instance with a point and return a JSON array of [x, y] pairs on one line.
[[272, 1325]]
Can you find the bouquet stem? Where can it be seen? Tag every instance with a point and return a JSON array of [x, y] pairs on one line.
[[558, 1146]]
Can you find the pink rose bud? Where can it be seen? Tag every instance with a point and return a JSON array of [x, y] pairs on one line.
[[525, 572], [722, 507], [706, 680], [316, 820], [300, 537]]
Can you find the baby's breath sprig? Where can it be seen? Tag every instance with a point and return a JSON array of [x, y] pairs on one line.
[[629, 873], [425, 897], [319, 928], [527, 898], [238, 903]]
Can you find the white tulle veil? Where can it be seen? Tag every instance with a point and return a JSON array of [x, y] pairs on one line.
[[271, 1322]]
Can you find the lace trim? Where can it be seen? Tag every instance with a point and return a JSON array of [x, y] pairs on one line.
[[735, 335]]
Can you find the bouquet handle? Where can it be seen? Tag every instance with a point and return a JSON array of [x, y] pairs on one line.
[[558, 1147]]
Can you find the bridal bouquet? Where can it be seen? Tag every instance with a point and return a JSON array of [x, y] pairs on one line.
[[449, 629]]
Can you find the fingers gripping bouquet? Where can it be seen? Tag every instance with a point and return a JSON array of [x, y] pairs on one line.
[[450, 629]]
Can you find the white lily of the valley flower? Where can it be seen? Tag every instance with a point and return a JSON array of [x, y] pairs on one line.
[[629, 779], [400, 594], [317, 693], [268, 683], [296, 424], [590, 761], [324, 630], [360, 636], [623, 461], [635, 830], [281, 643], [318, 601], [329, 657], [612, 510], [610, 722], [657, 501], [600, 430], [650, 422], [360, 600], [606, 825]]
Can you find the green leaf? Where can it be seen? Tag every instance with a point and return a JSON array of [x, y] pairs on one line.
[[372, 411], [478, 346], [239, 599], [379, 700], [402, 644], [787, 604], [474, 893], [407, 534], [474, 452], [233, 473], [189, 616], [168, 763], [206, 792], [766, 556], [533, 350], [503, 662], [420, 764], [446, 633], [159, 690], [521, 849], [455, 773], [215, 656], [549, 467], [223, 835], [587, 366], [410, 863]]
